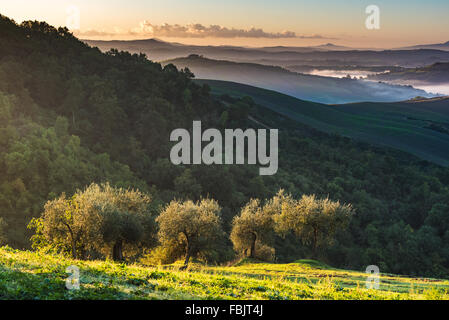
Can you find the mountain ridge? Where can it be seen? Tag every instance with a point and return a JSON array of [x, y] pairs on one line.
[[438, 46], [279, 55]]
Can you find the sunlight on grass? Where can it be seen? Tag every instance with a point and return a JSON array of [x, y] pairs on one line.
[[28, 275]]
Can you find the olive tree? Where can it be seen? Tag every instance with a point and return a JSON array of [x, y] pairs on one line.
[[117, 219], [100, 220], [252, 226], [195, 227], [315, 221], [60, 226]]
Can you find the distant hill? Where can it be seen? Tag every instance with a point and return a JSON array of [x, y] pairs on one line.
[[323, 55], [420, 127], [435, 73], [302, 86], [331, 46], [323, 47], [436, 46]]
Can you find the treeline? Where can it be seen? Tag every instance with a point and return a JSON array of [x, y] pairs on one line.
[[71, 115], [106, 222]]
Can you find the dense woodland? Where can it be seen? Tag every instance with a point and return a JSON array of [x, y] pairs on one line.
[[71, 116]]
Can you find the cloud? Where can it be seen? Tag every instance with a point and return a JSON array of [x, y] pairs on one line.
[[315, 36], [213, 31], [196, 30]]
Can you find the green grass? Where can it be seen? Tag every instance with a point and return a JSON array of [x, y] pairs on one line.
[[399, 125], [30, 275]]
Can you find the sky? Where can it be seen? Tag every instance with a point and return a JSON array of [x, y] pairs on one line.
[[244, 22]]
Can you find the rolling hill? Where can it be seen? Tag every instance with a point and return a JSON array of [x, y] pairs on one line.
[[420, 127], [435, 73], [302, 86]]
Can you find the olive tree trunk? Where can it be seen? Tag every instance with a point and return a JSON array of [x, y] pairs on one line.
[[188, 252], [252, 250], [117, 251]]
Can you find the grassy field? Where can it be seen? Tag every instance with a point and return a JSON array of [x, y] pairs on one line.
[[401, 125], [29, 275]]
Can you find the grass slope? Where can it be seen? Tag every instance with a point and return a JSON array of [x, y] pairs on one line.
[[29, 275], [406, 126]]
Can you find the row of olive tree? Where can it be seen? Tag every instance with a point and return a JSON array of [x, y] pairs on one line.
[[314, 221], [104, 221]]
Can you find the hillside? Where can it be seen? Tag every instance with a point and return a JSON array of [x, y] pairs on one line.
[[71, 115], [411, 127], [302, 86], [435, 73], [34, 276]]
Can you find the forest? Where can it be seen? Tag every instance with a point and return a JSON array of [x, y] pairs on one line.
[[84, 144]]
